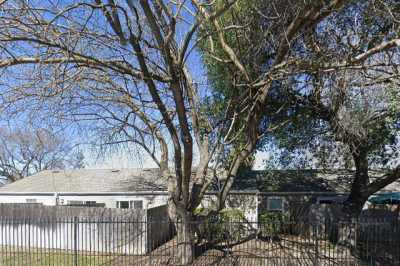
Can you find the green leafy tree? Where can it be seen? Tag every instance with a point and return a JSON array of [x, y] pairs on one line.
[[343, 116]]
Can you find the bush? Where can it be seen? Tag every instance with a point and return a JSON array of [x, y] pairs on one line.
[[227, 225], [271, 223]]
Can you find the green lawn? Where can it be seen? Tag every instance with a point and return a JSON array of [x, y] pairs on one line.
[[47, 259], [62, 258]]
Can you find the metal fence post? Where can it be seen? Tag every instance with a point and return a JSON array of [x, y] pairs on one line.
[[316, 259], [76, 220], [355, 234], [149, 240]]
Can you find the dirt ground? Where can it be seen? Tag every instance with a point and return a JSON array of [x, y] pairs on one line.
[[285, 251]]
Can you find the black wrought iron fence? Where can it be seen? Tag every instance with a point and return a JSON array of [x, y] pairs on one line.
[[85, 241]]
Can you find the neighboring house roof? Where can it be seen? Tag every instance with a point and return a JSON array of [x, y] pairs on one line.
[[90, 180], [316, 180]]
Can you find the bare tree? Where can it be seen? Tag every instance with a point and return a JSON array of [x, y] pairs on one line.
[[123, 68], [28, 151]]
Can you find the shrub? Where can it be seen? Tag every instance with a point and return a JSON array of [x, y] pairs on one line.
[[271, 223], [227, 225]]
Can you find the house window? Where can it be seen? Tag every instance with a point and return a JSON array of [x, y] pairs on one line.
[[331, 200], [275, 204], [82, 203], [138, 204], [135, 204], [123, 204], [31, 201], [75, 203], [90, 203], [325, 201]]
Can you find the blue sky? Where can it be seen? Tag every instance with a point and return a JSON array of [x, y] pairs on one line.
[[124, 159], [120, 158]]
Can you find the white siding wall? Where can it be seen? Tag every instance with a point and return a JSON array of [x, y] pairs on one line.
[[247, 203], [110, 201], [45, 200]]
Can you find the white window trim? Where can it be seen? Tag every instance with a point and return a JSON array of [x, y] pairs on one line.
[[119, 204]]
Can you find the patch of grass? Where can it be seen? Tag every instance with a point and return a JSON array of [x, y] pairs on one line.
[[37, 257]]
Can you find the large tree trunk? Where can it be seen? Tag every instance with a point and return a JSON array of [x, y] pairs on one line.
[[186, 238], [185, 232], [358, 193]]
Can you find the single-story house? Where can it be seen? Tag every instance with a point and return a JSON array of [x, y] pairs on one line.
[[254, 192], [110, 188], [294, 191]]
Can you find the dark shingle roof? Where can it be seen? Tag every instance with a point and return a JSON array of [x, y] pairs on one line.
[[316, 180]]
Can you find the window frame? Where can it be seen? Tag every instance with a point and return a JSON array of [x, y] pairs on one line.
[[124, 201], [134, 202], [131, 204], [282, 199], [90, 203]]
